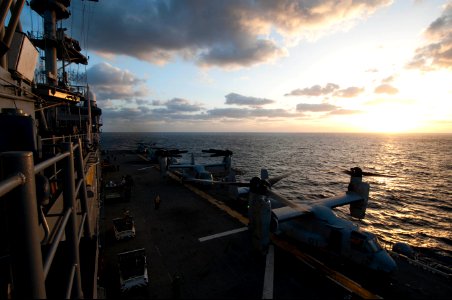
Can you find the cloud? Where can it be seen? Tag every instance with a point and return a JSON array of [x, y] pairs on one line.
[[227, 34], [345, 112], [234, 98], [315, 90], [349, 92], [386, 89], [110, 82], [176, 105], [438, 53], [329, 89], [323, 107]]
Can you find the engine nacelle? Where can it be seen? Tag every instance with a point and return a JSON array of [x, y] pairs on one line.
[[358, 209]]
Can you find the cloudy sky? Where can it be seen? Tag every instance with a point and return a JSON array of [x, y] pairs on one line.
[[275, 66]]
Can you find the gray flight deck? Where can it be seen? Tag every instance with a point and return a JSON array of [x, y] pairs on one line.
[[196, 249]]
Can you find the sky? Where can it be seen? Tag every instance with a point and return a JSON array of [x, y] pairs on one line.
[[266, 66]]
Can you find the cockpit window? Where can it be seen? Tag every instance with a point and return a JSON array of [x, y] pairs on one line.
[[373, 245], [364, 243]]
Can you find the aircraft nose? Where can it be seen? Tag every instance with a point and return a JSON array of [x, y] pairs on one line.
[[384, 262]]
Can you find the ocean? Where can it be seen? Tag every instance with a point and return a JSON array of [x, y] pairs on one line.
[[414, 207]]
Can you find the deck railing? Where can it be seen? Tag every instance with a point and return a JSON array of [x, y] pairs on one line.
[[29, 265]]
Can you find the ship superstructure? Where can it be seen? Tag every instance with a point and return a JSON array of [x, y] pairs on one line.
[[49, 160]]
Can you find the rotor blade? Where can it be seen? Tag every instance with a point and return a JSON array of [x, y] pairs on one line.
[[297, 206], [146, 168], [216, 152], [274, 180], [348, 172], [240, 184]]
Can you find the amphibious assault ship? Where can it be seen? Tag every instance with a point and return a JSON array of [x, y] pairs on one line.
[[53, 238], [49, 160]]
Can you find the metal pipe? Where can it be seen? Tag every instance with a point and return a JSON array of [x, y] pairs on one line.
[[71, 229], [13, 21], [50, 50], [45, 226], [22, 218], [4, 7], [78, 186], [82, 193], [11, 183], [82, 223], [69, 284], [19, 25], [49, 162], [59, 235]]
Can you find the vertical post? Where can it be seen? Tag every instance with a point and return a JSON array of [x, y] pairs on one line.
[[71, 228], [82, 193], [25, 247], [50, 51]]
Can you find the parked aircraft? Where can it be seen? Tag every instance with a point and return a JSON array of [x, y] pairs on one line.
[[190, 171], [315, 223]]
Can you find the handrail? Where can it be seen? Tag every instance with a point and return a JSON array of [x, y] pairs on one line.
[[51, 161], [70, 282], [72, 172], [50, 255], [11, 183], [82, 224]]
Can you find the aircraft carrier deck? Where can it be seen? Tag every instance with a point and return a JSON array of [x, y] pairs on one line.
[[189, 258]]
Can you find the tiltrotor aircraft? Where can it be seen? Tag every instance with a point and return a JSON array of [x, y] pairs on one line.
[[315, 224], [192, 171]]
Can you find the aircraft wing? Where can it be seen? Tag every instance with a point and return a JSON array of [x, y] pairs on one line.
[[294, 210], [347, 198], [180, 166], [287, 213]]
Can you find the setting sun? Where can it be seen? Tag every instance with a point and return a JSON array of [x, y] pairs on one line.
[[388, 119]]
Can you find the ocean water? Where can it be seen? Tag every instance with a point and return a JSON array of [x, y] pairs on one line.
[[414, 207]]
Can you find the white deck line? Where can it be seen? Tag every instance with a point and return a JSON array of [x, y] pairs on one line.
[[267, 291], [214, 236]]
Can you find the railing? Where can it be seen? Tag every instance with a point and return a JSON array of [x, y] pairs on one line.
[[29, 269]]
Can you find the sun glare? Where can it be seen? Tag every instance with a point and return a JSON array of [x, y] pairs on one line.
[[389, 121]]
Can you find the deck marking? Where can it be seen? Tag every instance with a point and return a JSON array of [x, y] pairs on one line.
[[214, 236], [267, 292], [329, 273]]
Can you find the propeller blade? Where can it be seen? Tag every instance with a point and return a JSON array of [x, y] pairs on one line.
[[240, 184], [377, 174], [274, 180], [349, 172], [150, 167], [216, 153], [297, 206]]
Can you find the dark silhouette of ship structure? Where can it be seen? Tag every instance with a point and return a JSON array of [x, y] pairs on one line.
[[49, 157]]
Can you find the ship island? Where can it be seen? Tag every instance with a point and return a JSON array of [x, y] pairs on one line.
[[80, 222]]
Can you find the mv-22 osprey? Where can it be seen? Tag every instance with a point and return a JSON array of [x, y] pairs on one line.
[[193, 171], [315, 224]]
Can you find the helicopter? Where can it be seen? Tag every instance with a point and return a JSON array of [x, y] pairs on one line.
[[190, 171], [315, 224]]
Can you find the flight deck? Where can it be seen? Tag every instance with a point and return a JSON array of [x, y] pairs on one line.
[[199, 247]]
